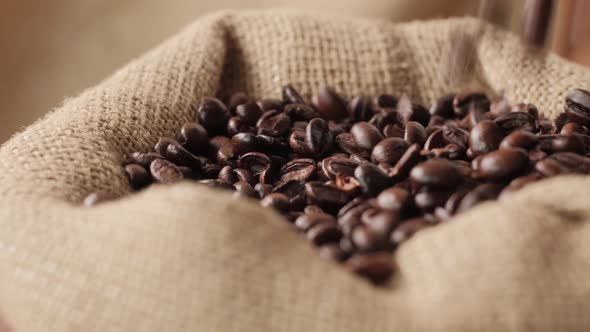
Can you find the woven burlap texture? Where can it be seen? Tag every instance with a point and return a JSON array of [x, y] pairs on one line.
[[185, 258]]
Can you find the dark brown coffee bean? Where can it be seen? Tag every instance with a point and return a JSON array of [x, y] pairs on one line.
[[347, 144], [245, 175], [519, 139], [331, 105], [360, 109], [138, 175], [249, 113], [270, 104], [349, 216], [97, 198], [520, 183], [467, 100], [226, 174], [563, 143], [164, 171], [483, 192], [162, 145], [298, 169], [377, 267], [384, 117], [429, 200], [332, 166], [500, 106], [503, 164], [577, 106], [407, 229], [436, 173], [366, 135], [527, 108], [366, 239], [263, 189], [435, 122], [332, 251], [452, 204], [409, 159], [276, 201], [298, 144], [348, 184], [512, 121], [301, 112], [386, 101], [310, 209], [236, 125], [443, 107], [563, 163], [394, 199], [180, 156], [408, 111], [372, 179], [456, 135], [216, 184], [318, 137], [213, 115], [244, 189], [328, 197], [273, 124], [194, 137], [308, 220], [485, 137], [435, 140], [415, 133], [380, 221], [394, 130], [254, 162], [573, 128], [144, 158], [389, 150], [236, 99], [323, 233], [210, 170], [291, 96], [227, 155]]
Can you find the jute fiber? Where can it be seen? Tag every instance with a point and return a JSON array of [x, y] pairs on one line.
[[185, 258]]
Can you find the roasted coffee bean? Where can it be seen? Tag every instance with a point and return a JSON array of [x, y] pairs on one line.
[[407, 229], [348, 184], [226, 174], [360, 109], [573, 128], [245, 175], [347, 143], [298, 169], [180, 156], [213, 115], [366, 135], [452, 204], [318, 137], [483, 192], [435, 140], [428, 200], [408, 160], [577, 106], [291, 96], [465, 101], [332, 166], [162, 145], [194, 137], [512, 121], [563, 163], [254, 162], [519, 139], [138, 175], [520, 183], [394, 130], [563, 143], [308, 220], [436, 173], [164, 171], [276, 201], [527, 108], [380, 221], [249, 113], [298, 144], [332, 251], [383, 118], [366, 239], [474, 116], [144, 158], [443, 107], [386, 101], [377, 267], [236, 99], [485, 137], [97, 198], [456, 135], [408, 111], [503, 164], [216, 184], [372, 179], [415, 133], [329, 103], [274, 124], [310, 209], [263, 189], [270, 104], [236, 125], [389, 150], [328, 197], [227, 155], [210, 170], [323, 233], [244, 189], [394, 199]]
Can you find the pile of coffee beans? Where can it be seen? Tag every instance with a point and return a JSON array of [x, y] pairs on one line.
[[360, 177]]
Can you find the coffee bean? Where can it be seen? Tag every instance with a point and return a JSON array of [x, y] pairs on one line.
[[244, 189], [435, 140], [291, 96], [144, 158], [394, 199], [428, 200], [249, 113], [407, 229], [467, 100], [273, 123], [328, 197], [194, 137], [377, 267], [414, 133], [389, 150], [519, 139], [318, 137], [180, 156], [332, 166], [360, 109], [298, 144], [394, 130], [298, 169], [366, 239], [485, 137], [443, 107], [483, 192], [213, 115], [308, 220], [323, 233], [263, 189], [164, 171], [237, 98], [97, 198], [386, 101], [408, 160], [226, 174], [436, 173], [563, 163], [254, 162], [510, 122], [563, 143], [383, 118], [276, 201], [372, 179], [573, 128], [366, 135], [333, 252], [347, 143], [380, 221], [138, 175], [455, 135], [329, 103], [162, 145], [527, 108], [236, 125], [245, 175], [503, 164], [407, 111], [577, 106]]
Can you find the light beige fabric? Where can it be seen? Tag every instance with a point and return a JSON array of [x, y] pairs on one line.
[[184, 258]]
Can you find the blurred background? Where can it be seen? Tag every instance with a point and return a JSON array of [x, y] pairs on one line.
[[54, 49]]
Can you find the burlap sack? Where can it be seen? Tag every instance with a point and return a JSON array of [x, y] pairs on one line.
[[184, 258]]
